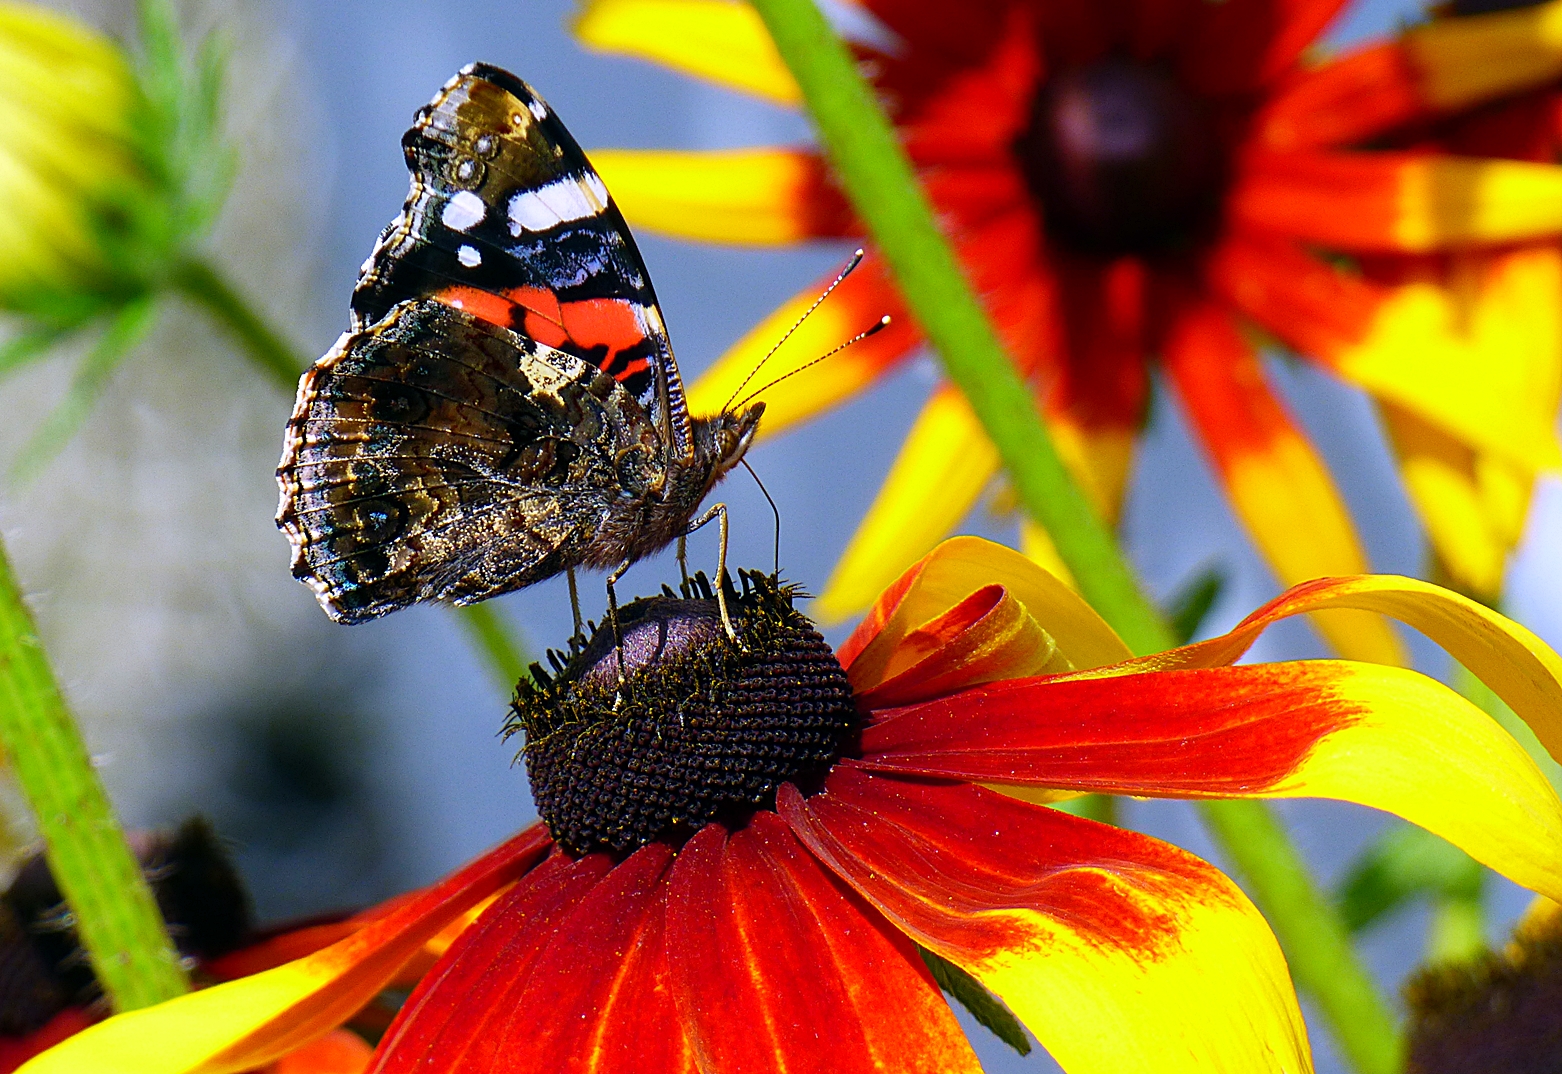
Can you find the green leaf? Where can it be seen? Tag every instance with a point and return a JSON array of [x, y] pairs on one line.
[[985, 1007], [1191, 603], [126, 329], [1406, 863]]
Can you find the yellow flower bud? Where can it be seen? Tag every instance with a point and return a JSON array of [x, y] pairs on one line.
[[76, 191]]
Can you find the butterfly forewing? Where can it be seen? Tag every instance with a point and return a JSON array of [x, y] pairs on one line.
[[438, 456], [507, 220]]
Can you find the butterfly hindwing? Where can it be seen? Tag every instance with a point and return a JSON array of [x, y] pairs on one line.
[[436, 455], [507, 220]]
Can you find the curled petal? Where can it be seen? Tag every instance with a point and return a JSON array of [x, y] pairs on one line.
[[1398, 201], [796, 386], [771, 958], [1277, 482], [1119, 952], [1518, 666], [949, 575], [1378, 736], [760, 197], [249, 1022], [715, 39]]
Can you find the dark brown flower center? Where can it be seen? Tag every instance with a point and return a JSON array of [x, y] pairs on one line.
[[698, 727], [1122, 159]]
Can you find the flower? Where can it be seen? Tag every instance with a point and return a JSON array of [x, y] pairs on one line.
[[1180, 182], [47, 990], [704, 923]]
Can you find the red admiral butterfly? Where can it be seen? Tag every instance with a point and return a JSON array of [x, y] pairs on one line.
[[506, 406]]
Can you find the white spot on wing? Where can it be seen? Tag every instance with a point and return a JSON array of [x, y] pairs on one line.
[[464, 210], [469, 256], [548, 206], [538, 109], [598, 191]]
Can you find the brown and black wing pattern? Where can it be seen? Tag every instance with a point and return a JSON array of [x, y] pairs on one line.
[[437, 456]]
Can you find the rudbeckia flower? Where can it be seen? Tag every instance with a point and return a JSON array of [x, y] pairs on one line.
[[1174, 182], [747, 849]]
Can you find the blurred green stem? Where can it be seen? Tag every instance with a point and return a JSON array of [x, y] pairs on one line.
[[199, 281], [882, 187], [504, 654], [115, 914]]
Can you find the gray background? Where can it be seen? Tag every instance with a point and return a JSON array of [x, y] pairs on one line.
[[349, 764]]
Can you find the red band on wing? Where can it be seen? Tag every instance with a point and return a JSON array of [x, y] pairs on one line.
[[605, 331]]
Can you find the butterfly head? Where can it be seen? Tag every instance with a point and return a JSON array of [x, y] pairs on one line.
[[730, 434]]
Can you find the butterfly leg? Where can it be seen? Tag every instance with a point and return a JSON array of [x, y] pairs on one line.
[[683, 561], [612, 613], [718, 511], [574, 601]]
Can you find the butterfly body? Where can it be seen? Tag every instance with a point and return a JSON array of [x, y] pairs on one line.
[[506, 406]]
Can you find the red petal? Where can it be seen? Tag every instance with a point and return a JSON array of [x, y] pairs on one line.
[[1239, 45], [1344, 101], [777, 967], [1120, 952], [1206, 732], [454, 1020]]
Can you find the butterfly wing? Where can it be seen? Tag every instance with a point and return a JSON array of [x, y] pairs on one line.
[[439, 456], [507, 220]]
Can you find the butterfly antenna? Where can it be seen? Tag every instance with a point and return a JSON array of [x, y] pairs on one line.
[[856, 260], [883, 323], [776, 560]]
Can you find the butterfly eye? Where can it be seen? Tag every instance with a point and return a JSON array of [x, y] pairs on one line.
[[486, 146], [468, 172]]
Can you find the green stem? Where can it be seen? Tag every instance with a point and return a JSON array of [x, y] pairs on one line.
[[496, 640], [200, 282], [116, 917], [504, 654], [879, 180]]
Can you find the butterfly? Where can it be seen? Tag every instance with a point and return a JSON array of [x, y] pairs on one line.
[[506, 406]]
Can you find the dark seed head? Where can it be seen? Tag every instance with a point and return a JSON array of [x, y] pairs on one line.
[[1122, 159], [1496, 1014], [699, 727]]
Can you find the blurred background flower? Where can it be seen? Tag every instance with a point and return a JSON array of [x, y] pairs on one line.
[[352, 763], [1175, 183]]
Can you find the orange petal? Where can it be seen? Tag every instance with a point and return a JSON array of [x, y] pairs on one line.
[[1277, 483], [1121, 953], [1382, 737], [713, 39], [1397, 201], [338, 1052], [1479, 359], [1518, 666], [861, 300], [941, 582], [251, 1021], [1343, 100], [757, 197]]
